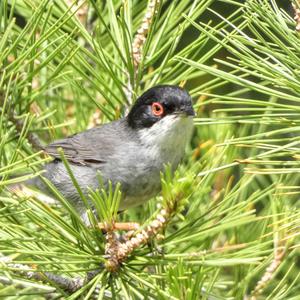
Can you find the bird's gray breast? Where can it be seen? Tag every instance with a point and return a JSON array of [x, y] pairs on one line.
[[138, 173]]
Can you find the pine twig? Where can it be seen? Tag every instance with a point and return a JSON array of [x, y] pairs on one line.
[[140, 37], [279, 254], [118, 251], [80, 8], [31, 137], [174, 196], [296, 7], [69, 285], [95, 119], [138, 43]]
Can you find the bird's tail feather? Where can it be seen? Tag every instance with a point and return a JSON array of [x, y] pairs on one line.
[[30, 188]]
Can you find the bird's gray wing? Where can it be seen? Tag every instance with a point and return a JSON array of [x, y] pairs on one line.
[[94, 146]]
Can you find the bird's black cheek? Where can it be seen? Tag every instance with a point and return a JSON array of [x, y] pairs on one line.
[[145, 120], [142, 118], [149, 121], [169, 109]]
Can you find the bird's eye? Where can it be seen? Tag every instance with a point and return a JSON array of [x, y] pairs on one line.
[[157, 109]]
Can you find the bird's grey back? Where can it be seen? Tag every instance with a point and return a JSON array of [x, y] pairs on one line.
[[95, 145]]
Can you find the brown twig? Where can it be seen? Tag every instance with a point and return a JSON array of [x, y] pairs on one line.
[[117, 252], [138, 43], [279, 253], [12, 117], [31, 137], [80, 8], [296, 7], [69, 285], [126, 226], [95, 119], [142, 32]]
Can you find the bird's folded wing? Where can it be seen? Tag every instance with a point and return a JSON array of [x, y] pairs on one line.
[[93, 146], [78, 149]]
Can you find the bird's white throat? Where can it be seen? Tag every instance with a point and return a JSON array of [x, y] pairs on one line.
[[168, 138]]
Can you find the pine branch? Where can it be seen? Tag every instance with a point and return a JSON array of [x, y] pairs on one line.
[[296, 7], [138, 43], [142, 32], [279, 254], [69, 285], [119, 251], [32, 138]]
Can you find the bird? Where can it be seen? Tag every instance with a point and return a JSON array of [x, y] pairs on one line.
[[131, 151]]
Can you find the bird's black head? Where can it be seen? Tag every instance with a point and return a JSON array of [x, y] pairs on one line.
[[158, 102]]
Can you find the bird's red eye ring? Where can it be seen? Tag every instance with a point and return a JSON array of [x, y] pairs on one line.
[[157, 109]]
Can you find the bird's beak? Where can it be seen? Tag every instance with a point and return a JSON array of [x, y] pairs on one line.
[[191, 112], [188, 110]]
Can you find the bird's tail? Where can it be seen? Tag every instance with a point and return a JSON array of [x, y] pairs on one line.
[[29, 187]]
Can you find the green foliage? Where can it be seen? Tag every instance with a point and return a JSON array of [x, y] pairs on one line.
[[238, 185]]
